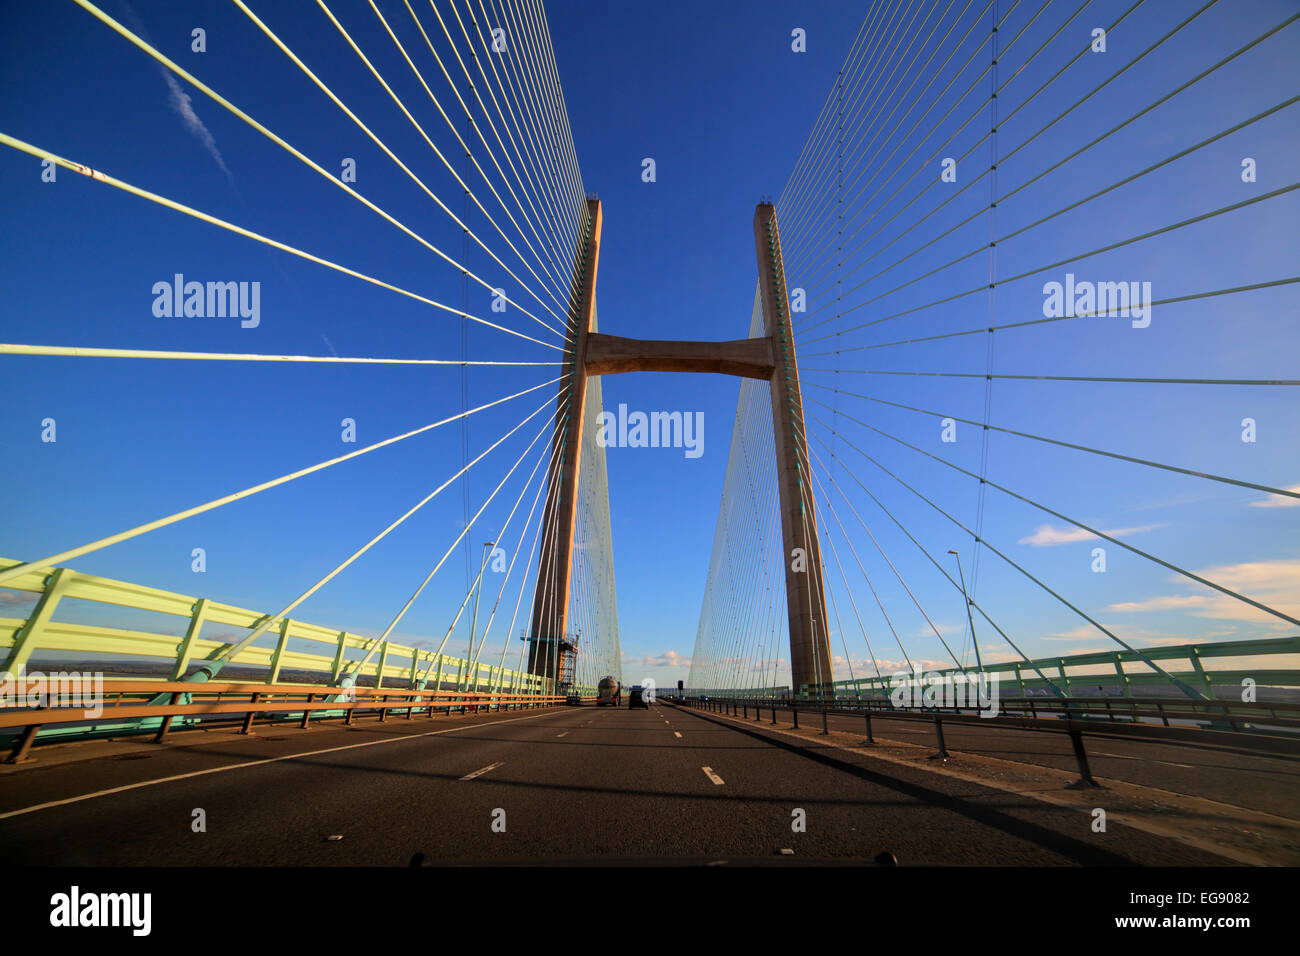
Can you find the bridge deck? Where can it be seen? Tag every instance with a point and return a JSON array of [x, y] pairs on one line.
[[580, 783]]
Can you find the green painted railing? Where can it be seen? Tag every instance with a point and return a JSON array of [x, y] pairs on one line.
[[1216, 669], [295, 651]]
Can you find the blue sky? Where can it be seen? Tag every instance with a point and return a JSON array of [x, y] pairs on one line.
[[718, 99]]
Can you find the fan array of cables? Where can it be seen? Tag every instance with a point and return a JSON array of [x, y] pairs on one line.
[[1040, 257]]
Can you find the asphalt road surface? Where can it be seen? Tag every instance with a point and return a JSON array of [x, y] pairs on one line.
[[1258, 781], [567, 785]]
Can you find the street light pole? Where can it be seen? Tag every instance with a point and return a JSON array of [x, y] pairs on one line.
[[969, 617]]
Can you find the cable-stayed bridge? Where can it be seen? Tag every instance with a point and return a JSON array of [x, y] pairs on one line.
[[1016, 372]]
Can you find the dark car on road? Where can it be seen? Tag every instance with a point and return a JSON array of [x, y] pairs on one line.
[[636, 698]]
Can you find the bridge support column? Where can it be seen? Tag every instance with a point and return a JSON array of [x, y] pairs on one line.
[[551, 596], [810, 662]]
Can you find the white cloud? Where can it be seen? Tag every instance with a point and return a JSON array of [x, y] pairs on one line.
[[1045, 536], [1279, 501], [1275, 584], [669, 658], [184, 108], [17, 598]]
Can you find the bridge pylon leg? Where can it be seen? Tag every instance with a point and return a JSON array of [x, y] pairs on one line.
[[551, 596], [810, 661]]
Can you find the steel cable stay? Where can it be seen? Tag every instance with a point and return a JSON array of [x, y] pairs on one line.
[[565, 190], [550, 222], [549, 519], [799, 222], [562, 155], [576, 209], [975, 114], [888, 561], [757, 551], [522, 534], [796, 184], [839, 625], [802, 251], [745, 613], [293, 151], [1095, 623], [543, 238], [742, 542], [970, 118], [878, 83], [558, 94], [965, 594], [564, 210], [475, 57], [72, 553], [1100, 138], [553, 282], [546, 608], [1093, 313], [477, 585], [1101, 534], [1074, 205], [805, 515], [1172, 93], [991, 427], [1055, 378], [561, 230], [806, 490], [835, 551], [804, 256], [210, 667], [720, 589], [961, 158], [591, 563], [848, 590], [874, 594], [938, 567], [546, 86], [1222, 210], [7, 140], [858, 107], [334, 98], [1077, 152], [544, 183], [73, 351], [382, 639], [533, 86], [545, 520]]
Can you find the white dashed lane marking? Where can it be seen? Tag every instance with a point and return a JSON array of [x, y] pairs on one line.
[[479, 773], [708, 772], [676, 733]]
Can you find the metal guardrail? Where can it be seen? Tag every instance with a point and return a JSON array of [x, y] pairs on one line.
[[318, 658], [1209, 666], [1273, 727], [128, 703]]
